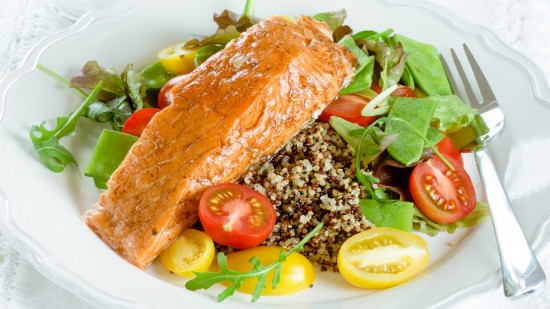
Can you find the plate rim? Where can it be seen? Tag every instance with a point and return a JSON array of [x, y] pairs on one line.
[[33, 252]]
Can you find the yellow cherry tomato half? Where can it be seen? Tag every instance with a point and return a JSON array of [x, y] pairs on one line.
[[297, 272], [192, 251], [382, 257], [177, 60]]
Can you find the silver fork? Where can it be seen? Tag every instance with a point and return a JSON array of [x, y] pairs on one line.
[[521, 271]]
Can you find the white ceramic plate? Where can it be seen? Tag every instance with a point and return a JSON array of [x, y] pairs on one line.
[[40, 210]]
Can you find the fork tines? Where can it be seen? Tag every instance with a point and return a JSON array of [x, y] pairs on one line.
[[483, 85]]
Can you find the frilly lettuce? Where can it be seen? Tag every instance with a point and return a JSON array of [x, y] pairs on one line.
[[423, 224]]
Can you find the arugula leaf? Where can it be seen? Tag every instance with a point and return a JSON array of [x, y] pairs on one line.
[[425, 225], [92, 73], [115, 112], [333, 19], [46, 142], [205, 280]]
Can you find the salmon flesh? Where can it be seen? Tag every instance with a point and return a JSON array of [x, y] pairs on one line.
[[238, 107]]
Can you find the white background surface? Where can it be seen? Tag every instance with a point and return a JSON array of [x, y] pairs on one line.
[[523, 25]]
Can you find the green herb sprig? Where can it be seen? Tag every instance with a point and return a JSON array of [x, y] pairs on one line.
[[46, 142], [205, 280]]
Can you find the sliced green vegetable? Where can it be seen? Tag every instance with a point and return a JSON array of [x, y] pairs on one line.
[[396, 214], [110, 150], [423, 224], [425, 66], [411, 117], [46, 142], [206, 52], [155, 76], [205, 280]]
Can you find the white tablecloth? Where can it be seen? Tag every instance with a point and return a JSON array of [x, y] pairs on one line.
[[521, 24]]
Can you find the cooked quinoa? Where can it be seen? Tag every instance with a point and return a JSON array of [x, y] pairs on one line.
[[311, 180]]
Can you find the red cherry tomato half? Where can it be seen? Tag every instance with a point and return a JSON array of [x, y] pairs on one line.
[[236, 216], [443, 195], [164, 98], [348, 107], [135, 124], [447, 147]]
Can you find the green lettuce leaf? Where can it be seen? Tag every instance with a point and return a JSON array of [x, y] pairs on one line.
[[240, 22], [364, 73], [452, 114], [411, 117], [221, 36], [373, 145], [333, 19], [425, 66], [394, 214], [392, 60], [92, 73], [134, 87], [425, 225]]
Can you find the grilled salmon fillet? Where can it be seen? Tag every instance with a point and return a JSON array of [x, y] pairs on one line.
[[239, 106]]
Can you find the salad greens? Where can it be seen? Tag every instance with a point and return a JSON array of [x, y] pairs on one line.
[[112, 99], [334, 19], [109, 152], [408, 129], [205, 280], [395, 214], [425, 67], [423, 224], [411, 120], [46, 142]]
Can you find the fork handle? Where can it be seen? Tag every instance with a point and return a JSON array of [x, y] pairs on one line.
[[521, 271]]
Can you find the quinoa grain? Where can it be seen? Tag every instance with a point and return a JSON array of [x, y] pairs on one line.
[[311, 179]]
